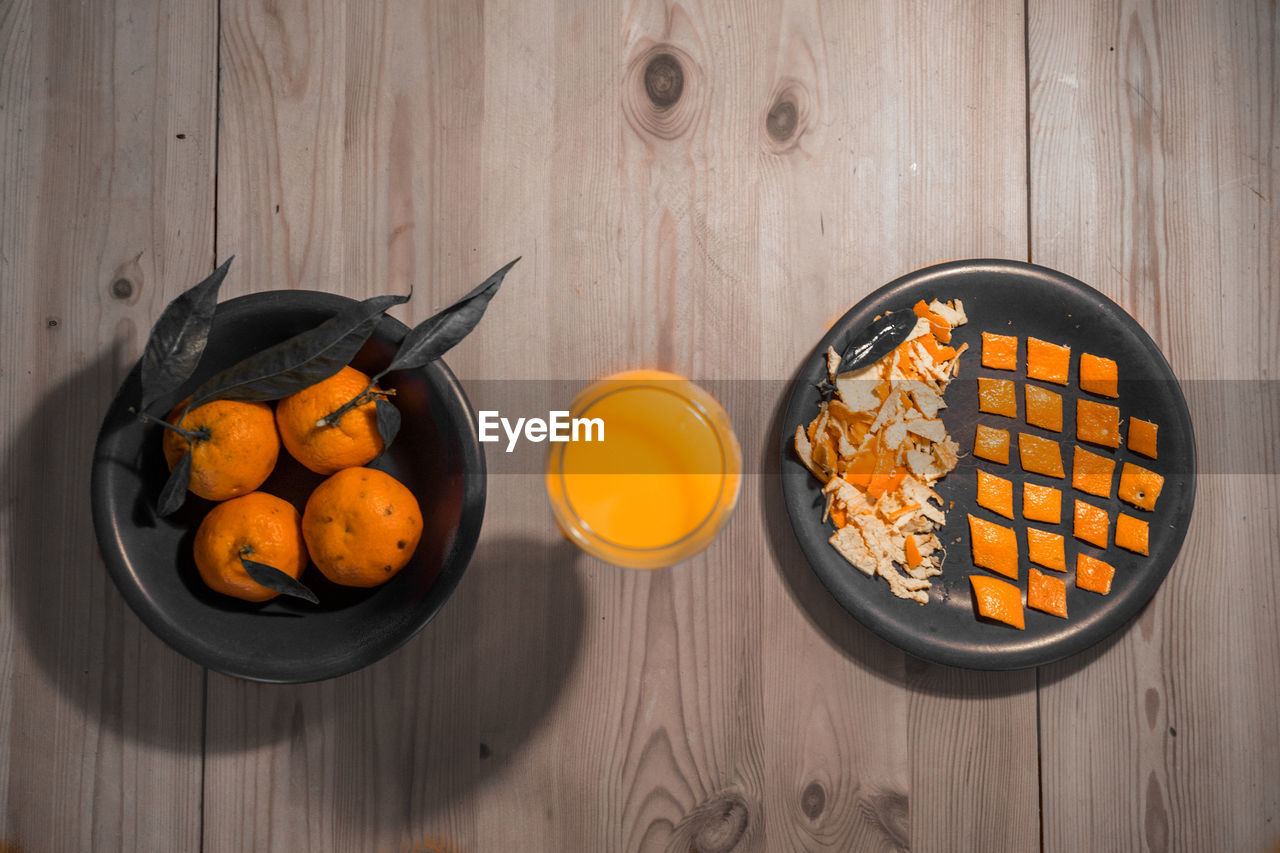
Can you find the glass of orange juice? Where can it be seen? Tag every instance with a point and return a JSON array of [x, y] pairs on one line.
[[663, 480]]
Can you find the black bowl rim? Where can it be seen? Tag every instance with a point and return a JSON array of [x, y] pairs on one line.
[[454, 565]]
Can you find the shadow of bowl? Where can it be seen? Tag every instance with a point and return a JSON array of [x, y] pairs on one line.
[[89, 651], [420, 729]]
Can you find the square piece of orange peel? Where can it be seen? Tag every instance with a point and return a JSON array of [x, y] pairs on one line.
[[1142, 437], [1093, 574], [991, 444], [999, 352], [1099, 376], [1041, 503], [1048, 362], [995, 493], [1047, 593], [998, 600], [994, 546]]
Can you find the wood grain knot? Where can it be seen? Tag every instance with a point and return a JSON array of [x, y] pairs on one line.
[[716, 825], [890, 812], [663, 92], [781, 121], [51, 322], [789, 117], [813, 800], [1155, 824], [664, 80], [126, 280]]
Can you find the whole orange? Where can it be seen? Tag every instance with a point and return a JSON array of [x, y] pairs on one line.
[[236, 453], [361, 526], [258, 526], [322, 447]]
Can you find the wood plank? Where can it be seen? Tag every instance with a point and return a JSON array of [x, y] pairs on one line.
[[913, 158], [349, 162], [559, 703], [281, 211], [1154, 132], [106, 160]]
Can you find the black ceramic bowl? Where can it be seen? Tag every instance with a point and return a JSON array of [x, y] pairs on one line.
[[437, 455]]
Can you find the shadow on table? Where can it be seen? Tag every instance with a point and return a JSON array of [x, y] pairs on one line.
[[399, 741], [868, 651], [88, 645], [490, 675]]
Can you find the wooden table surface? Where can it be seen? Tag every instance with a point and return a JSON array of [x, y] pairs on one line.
[[713, 223]]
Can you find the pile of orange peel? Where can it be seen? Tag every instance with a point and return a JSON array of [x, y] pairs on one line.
[[878, 447]]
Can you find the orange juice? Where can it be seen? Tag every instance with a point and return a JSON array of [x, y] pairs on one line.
[[660, 484]]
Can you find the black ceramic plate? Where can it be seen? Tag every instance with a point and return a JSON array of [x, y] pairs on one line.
[[1009, 298], [436, 455]]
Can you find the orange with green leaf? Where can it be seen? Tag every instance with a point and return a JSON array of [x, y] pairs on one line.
[[323, 432], [222, 441], [246, 537]]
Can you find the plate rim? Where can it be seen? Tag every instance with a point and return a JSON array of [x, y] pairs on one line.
[[456, 561], [939, 654]]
